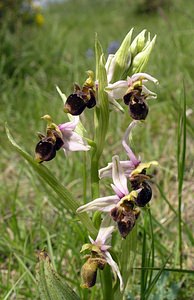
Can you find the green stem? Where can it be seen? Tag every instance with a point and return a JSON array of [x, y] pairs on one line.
[[84, 177], [94, 175], [106, 282], [181, 153], [152, 245]]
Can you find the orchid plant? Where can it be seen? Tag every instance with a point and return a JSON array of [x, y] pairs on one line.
[[118, 81]]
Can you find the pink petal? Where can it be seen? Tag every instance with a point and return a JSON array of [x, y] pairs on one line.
[[130, 153], [74, 142], [114, 267], [142, 76], [106, 229], [100, 204], [69, 126], [119, 178]]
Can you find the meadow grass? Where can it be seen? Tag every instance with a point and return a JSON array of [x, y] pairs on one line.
[[33, 216]]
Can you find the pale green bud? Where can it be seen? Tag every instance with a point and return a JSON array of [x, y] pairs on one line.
[[138, 43], [122, 59], [140, 60]]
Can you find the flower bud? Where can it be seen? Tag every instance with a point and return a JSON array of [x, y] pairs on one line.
[[140, 60], [138, 43]]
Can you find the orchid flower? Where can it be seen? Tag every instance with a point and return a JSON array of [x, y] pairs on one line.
[[134, 93], [82, 97], [119, 186], [57, 137], [100, 255], [72, 140], [121, 204], [118, 89]]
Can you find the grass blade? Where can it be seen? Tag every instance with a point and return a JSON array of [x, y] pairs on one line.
[[181, 153], [154, 281]]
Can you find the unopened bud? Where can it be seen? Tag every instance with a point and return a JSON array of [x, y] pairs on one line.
[[138, 43], [140, 60]]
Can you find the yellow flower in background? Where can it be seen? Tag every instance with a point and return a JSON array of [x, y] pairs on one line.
[[39, 19]]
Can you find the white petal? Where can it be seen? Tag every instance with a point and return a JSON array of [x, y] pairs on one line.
[[100, 204], [126, 165], [114, 267], [106, 171], [118, 176], [69, 126], [125, 141], [110, 65], [105, 230], [117, 191], [148, 93], [91, 240], [141, 76], [74, 142], [118, 89]]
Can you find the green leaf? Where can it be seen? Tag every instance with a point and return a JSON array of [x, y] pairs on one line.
[[66, 199], [51, 285], [122, 58], [98, 53]]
